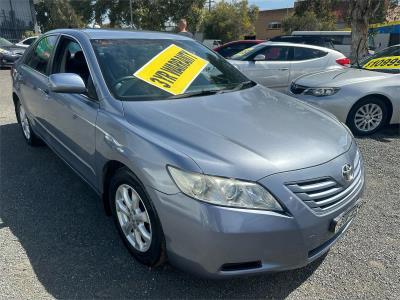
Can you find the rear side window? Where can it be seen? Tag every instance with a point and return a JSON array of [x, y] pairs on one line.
[[40, 56], [273, 53], [29, 41], [301, 53]]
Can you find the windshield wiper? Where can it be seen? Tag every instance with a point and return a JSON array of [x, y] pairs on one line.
[[240, 86], [195, 94]]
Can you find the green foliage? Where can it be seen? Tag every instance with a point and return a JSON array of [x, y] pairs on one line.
[[52, 14], [147, 14], [230, 21], [28, 33], [312, 15], [307, 21]]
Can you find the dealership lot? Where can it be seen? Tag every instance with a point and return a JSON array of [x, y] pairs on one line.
[[55, 240]]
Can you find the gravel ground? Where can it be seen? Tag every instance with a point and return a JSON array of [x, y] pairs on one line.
[[56, 241]]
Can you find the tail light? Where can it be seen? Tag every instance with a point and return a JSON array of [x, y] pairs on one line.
[[344, 61]]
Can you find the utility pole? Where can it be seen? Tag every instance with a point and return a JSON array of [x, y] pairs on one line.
[[210, 2], [130, 8]]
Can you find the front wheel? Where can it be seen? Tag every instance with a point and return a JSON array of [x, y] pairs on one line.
[[367, 116], [136, 219]]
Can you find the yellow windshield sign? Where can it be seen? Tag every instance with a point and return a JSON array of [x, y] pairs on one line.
[[244, 51], [389, 62], [172, 70]]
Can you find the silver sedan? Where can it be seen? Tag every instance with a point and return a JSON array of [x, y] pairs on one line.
[[275, 65], [365, 97]]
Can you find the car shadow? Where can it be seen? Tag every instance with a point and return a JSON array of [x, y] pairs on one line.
[[74, 248], [386, 134]]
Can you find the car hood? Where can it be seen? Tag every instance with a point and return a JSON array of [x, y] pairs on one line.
[[14, 49], [338, 78], [246, 134]]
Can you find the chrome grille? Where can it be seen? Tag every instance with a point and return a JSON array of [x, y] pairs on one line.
[[326, 193]]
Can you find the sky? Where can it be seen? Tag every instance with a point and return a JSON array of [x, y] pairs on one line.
[[272, 4]]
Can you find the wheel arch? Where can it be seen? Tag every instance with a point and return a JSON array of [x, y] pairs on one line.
[[384, 98], [109, 169]]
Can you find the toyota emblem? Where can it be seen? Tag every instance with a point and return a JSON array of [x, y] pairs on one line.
[[347, 172]]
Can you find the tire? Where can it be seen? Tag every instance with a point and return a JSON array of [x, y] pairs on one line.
[[132, 220], [27, 132], [367, 116]]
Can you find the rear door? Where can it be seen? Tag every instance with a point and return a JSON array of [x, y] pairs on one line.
[[307, 60], [73, 116], [33, 76], [273, 71]]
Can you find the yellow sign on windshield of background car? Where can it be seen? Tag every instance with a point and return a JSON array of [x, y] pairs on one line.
[[389, 62], [244, 51], [172, 70]]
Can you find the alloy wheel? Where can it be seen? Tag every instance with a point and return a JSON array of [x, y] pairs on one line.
[[133, 217], [368, 117], [24, 122]]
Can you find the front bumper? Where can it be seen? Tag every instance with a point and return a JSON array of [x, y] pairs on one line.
[[8, 60], [338, 104], [214, 241]]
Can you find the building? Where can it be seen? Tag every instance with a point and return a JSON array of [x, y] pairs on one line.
[[16, 17], [269, 22]]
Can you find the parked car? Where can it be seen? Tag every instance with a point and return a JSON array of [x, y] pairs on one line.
[[195, 162], [341, 39], [365, 97], [229, 49], [27, 42], [305, 39], [212, 43], [275, 65], [9, 53]]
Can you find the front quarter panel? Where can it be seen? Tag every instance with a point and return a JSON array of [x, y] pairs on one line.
[[118, 140]]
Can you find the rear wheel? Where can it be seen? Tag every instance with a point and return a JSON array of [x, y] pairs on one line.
[[367, 116], [30, 137], [136, 219]]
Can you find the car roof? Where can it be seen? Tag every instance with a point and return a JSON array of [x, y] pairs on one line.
[[299, 45], [121, 34]]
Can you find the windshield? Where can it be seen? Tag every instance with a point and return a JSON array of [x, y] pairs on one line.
[[387, 60], [154, 69], [242, 55], [4, 42]]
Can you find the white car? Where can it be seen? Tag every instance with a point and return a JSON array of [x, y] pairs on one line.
[[275, 65], [27, 42], [365, 97]]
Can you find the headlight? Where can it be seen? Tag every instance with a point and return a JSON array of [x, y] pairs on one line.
[[5, 52], [224, 191], [321, 92]]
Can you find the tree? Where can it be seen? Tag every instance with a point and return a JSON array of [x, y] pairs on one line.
[[361, 13], [52, 14], [311, 15], [230, 21]]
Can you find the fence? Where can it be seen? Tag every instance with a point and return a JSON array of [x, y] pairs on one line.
[[16, 17]]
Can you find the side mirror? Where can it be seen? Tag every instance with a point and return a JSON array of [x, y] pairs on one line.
[[259, 57], [66, 83]]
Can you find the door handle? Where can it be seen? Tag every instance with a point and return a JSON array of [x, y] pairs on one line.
[[283, 69]]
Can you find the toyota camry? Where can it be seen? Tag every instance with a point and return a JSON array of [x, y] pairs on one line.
[[196, 164]]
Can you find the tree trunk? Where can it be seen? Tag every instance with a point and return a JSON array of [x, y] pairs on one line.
[[360, 11]]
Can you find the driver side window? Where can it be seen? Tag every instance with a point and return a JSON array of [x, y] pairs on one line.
[[69, 58]]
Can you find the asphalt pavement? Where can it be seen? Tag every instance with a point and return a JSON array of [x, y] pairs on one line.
[[57, 242]]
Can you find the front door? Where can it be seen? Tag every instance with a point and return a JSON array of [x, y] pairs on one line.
[[73, 116], [273, 72]]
